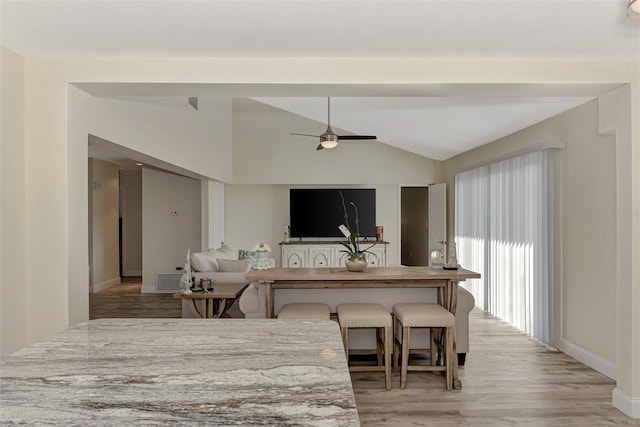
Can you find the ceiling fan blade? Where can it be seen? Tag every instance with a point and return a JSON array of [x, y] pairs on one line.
[[319, 147], [305, 134], [347, 137]]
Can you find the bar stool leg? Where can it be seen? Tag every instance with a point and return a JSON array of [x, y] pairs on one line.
[[396, 342], [405, 356], [379, 345], [433, 348], [387, 356], [449, 355]]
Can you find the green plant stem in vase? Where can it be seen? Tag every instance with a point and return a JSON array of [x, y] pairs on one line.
[[356, 257]]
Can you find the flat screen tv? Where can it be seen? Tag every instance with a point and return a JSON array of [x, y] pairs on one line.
[[318, 212]]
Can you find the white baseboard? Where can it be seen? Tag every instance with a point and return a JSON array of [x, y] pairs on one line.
[[106, 284], [628, 405], [132, 273], [148, 289], [591, 360]]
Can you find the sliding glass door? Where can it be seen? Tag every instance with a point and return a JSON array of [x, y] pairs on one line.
[[503, 231]]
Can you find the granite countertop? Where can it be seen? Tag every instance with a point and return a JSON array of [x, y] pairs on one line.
[[182, 372]]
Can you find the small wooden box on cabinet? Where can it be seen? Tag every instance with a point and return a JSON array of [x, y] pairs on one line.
[[326, 254]]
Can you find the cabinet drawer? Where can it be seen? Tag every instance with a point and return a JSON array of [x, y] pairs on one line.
[[300, 255], [294, 258]]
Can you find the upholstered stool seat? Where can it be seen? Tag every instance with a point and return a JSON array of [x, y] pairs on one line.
[[304, 310], [424, 315], [367, 315]]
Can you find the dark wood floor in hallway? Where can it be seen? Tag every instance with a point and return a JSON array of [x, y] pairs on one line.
[[509, 379]]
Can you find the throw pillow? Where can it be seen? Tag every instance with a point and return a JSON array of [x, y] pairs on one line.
[[207, 261], [251, 256], [233, 265], [204, 261], [225, 251]]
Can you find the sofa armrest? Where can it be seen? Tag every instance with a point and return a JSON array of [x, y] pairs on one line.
[[251, 302], [465, 304]]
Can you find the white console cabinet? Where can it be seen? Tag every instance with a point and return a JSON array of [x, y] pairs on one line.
[[326, 254]]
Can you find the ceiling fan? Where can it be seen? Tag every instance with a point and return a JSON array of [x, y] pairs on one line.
[[329, 139]]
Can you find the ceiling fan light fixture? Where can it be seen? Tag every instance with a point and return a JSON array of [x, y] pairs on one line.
[[633, 9], [329, 141]]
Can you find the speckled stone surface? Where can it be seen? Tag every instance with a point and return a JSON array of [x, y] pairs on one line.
[[246, 372]]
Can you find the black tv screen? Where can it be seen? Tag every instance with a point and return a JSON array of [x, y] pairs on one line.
[[318, 212]]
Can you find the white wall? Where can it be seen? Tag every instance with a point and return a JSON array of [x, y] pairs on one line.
[[617, 119], [587, 260], [105, 208], [165, 236], [212, 214], [131, 213], [14, 317]]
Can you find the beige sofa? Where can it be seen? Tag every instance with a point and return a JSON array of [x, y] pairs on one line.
[[252, 305], [221, 265]]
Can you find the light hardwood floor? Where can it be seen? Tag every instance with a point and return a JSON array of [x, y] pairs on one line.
[[509, 379], [126, 301]]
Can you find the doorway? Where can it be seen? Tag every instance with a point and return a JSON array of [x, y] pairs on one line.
[[423, 222], [414, 233]]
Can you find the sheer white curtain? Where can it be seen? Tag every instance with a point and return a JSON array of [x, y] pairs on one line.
[[503, 232]]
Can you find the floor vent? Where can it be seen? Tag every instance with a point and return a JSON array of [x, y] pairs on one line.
[[168, 282]]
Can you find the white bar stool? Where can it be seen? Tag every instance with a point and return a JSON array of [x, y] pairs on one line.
[[304, 310], [424, 315], [365, 315]]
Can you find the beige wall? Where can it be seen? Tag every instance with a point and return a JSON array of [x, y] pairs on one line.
[[588, 224], [105, 207], [165, 236], [131, 212], [14, 319], [53, 195]]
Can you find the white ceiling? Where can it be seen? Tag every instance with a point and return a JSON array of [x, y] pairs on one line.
[[437, 121], [315, 28]]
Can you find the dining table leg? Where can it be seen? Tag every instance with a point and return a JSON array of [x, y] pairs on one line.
[[194, 309], [222, 305], [452, 302], [269, 300]]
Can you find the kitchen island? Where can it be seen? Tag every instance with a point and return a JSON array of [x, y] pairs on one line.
[[181, 372]]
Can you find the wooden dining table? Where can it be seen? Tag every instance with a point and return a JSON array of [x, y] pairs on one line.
[[445, 282]]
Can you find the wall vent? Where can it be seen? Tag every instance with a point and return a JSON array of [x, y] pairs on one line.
[[168, 282]]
